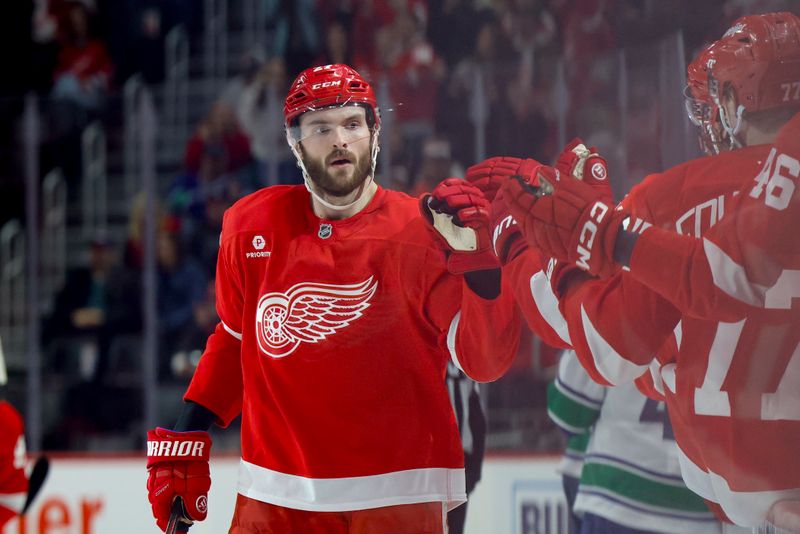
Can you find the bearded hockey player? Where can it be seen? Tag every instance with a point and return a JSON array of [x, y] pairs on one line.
[[340, 310], [730, 387]]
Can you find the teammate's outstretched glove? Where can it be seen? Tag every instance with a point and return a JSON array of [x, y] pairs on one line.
[[177, 466], [572, 224], [459, 214], [586, 165], [489, 176]]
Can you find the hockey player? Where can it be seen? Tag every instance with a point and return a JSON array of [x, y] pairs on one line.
[[13, 480], [339, 312], [730, 386], [630, 480]]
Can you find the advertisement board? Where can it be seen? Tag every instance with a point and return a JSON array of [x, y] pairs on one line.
[[96, 495]]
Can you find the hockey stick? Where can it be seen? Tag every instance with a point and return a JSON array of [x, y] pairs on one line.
[[178, 522], [38, 475]]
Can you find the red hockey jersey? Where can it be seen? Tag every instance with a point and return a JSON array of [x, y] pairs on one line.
[[751, 259], [731, 388], [13, 482], [334, 341], [539, 305]]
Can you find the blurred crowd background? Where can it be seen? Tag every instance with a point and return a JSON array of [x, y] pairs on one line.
[[127, 127]]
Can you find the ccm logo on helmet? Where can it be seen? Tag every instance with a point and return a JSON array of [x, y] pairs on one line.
[[175, 448], [586, 237], [323, 85]]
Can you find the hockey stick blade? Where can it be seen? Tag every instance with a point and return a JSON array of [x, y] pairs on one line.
[[178, 522], [38, 475]]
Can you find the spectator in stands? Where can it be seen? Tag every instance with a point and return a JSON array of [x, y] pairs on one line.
[[588, 34], [181, 286], [293, 32], [133, 252], [531, 27], [218, 158], [453, 46], [249, 65], [193, 339], [97, 304], [260, 110], [336, 47], [218, 133], [437, 163], [148, 56], [202, 233], [477, 79], [84, 67], [415, 74], [524, 111]]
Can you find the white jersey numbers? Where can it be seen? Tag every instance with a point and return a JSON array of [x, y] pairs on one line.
[[711, 399], [778, 178]]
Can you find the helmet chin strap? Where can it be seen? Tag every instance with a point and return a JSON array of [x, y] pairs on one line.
[[361, 189], [731, 130], [734, 130]]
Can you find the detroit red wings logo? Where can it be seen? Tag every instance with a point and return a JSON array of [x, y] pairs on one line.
[[308, 313]]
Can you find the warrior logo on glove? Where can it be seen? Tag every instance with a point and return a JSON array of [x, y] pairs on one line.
[[177, 467]]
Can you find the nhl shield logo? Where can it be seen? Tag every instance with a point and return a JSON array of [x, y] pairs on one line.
[[308, 313], [325, 231]]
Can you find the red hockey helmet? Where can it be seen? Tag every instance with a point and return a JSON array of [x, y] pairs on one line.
[[759, 57], [326, 86], [697, 77], [700, 106]]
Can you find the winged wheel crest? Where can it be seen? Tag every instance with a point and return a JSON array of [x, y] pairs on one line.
[[308, 313]]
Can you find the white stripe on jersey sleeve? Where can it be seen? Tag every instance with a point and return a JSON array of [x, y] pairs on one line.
[[731, 277], [231, 331], [608, 362], [547, 304], [451, 340]]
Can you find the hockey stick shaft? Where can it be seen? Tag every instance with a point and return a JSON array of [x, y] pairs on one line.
[[38, 475], [178, 522]]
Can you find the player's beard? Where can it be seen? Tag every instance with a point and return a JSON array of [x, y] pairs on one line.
[[336, 183]]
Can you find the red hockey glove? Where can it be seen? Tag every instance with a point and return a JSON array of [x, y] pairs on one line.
[[177, 466], [586, 165], [459, 214], [489, 176], [571, 224]]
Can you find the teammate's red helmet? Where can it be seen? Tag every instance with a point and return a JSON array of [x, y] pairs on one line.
[[700, 106], [759, 57], [329, 85], [697, 76]]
